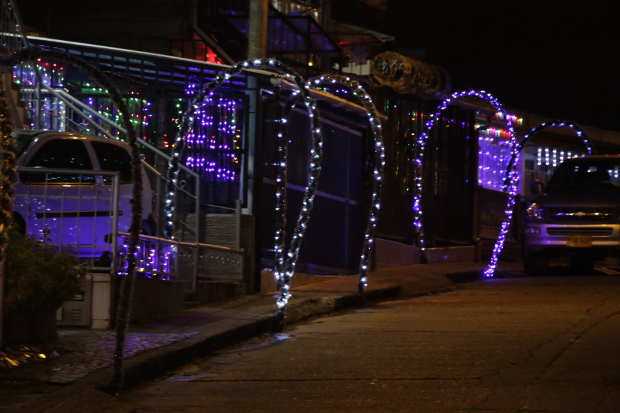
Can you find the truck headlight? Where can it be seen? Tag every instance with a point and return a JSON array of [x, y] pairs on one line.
[[535, 212]]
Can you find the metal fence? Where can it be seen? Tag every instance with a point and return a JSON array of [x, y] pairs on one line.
[[88, 213], [53, 108], [188, 262]]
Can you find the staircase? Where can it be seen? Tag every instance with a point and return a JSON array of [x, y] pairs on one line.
[[220, 273]]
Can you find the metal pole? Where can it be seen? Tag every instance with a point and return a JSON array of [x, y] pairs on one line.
[[196, 252], [2, 259], [115, 201], [257, 35], [38, 98], [253, 175], [251, 134], [238, 224]]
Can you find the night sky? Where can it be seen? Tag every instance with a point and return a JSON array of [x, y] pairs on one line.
[[555, 58], [560, 62]]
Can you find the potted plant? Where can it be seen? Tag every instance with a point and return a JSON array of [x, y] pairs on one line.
[[38, 280]]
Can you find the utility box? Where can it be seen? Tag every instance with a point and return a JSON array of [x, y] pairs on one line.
[[91, 306], [76, 312]]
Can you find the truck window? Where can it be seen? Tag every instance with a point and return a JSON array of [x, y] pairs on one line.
[[586, 174], [114, 158], [61, 154]]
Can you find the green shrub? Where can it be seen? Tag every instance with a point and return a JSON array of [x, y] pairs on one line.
[[37, 276]]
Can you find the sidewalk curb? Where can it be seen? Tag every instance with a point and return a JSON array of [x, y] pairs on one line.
[[154, 363]]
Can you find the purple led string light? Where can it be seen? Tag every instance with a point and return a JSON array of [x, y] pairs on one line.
[[197, 96], [153, 260], [213, 145], [357, 91], [512, 182], [418, 213], [493, 156]]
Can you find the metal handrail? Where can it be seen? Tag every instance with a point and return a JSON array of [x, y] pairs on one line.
[[227, 208], [65, 96], [66, 170], [78, 106], [215, 67], [186, 243], [161, 176], [75, 108]]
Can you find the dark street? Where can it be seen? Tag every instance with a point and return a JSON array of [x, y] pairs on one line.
[[309, 206], [546, 344]]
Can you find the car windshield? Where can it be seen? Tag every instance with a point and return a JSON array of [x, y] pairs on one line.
[[586, 174]]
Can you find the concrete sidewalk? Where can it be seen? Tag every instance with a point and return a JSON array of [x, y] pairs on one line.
[[85, 356]]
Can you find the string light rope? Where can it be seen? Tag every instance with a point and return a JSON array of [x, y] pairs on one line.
[[285, 259], [418, 187], [325, 82], [512, 186]]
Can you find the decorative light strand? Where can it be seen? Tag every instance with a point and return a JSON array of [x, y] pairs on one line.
[[284, 268], [327, 82], [98, 99], [154, 260], [281, 198], [418, 213], [284, 265], [512, 182], [187, 119], [214, 138], [493, 156]]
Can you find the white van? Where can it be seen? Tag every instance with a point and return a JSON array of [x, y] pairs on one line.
[[74, 210]]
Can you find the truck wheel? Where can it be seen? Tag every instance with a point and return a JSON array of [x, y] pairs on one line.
[[535, 264], [582, 265]]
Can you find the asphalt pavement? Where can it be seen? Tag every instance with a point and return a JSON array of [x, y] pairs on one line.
[[543, 344]]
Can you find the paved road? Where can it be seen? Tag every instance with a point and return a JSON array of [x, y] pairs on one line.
[[507, 345]]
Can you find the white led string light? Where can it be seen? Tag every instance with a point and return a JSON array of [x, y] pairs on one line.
[[358, 91], [284, 269], [512, 179], [561, 157], [285, 262], [187, 119]]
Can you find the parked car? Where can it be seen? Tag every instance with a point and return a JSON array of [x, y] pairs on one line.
[[71, 209], [577, 216]]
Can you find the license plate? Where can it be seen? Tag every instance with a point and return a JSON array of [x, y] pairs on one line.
[[579, 242]]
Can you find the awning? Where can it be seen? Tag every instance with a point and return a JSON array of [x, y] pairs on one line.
[[291, 34]]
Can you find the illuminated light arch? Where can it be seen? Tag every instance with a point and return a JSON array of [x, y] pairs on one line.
[[418, 187], [512, 181], [358, 91], [285, 259]]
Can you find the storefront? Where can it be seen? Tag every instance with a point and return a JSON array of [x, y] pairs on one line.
[[334, 237]]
